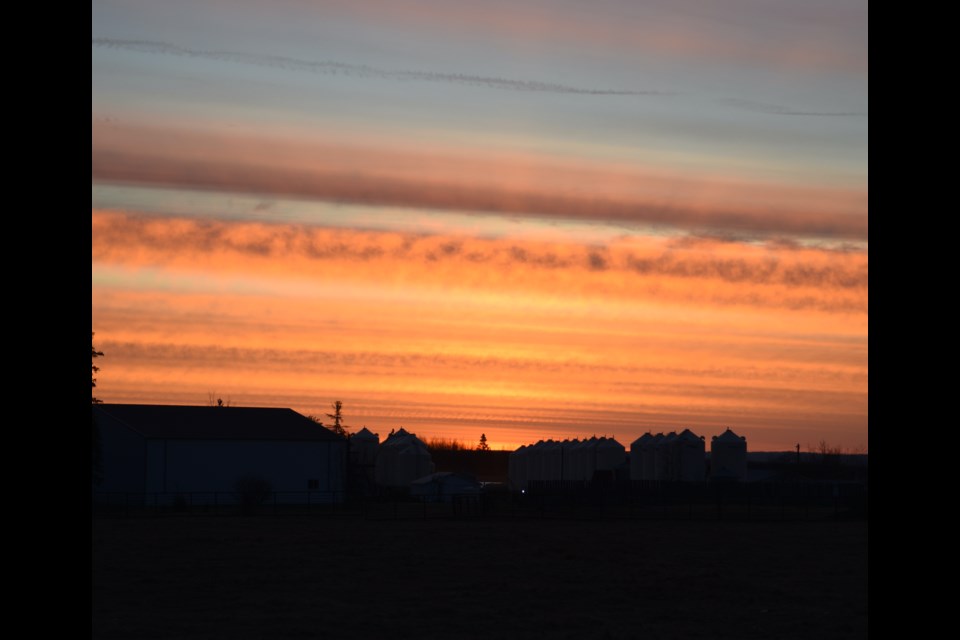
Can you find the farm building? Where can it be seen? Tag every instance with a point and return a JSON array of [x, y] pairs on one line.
[[169, 449]]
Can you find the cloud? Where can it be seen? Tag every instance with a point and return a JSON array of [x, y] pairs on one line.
[[681, 202], [708, 271], [328, 67]]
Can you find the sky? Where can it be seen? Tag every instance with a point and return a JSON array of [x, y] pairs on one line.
[[526, 219]]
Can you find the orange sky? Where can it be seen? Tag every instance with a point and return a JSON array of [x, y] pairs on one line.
[[527, 219], [516, 338]]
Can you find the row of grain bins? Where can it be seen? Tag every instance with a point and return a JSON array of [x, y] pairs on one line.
[[563, 460], [680, 457], [676, 457]]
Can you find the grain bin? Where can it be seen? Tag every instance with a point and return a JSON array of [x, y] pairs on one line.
[[552, 469], [610, 454], [364, 445], [663, 459], [728, 457], [691, 456], [566, 450], [637, 457], [648, 452]]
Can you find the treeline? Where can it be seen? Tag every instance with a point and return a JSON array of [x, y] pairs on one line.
[[436, 443]]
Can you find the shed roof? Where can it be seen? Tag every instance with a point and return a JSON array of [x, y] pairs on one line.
[[178, 422]]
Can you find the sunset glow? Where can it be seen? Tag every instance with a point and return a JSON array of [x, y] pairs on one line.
[[537, 221]]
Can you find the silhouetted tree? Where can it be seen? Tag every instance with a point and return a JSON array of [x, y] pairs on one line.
[[338, 426], [216, 401], [96, 354], [828, 454], [483, 446]]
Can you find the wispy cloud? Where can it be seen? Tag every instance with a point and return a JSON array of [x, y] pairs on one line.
[[330, 67]]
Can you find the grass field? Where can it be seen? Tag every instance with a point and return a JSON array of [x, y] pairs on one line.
[[346, 577]]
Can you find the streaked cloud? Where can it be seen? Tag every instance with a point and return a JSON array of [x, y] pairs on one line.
[[764, 275], [534, 185], [329, 67]]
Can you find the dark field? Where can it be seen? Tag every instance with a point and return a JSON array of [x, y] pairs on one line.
[[346, 577]]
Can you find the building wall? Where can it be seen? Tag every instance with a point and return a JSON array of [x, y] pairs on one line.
[[215, 465], [123, 453], [156, 452]]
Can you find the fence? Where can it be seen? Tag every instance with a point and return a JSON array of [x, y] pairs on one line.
[[636, 500], [781, 500], [222, 502]]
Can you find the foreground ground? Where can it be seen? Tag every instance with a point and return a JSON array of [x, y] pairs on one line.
[[327, 577]]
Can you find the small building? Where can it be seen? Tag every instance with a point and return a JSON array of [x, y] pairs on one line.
[[202, 452]]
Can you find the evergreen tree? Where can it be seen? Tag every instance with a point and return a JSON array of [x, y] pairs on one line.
[[483, 446], [337, 417]]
